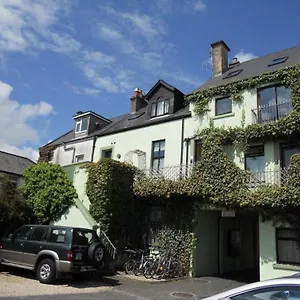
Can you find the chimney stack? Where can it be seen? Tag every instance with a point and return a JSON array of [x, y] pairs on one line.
[[137, 101], [219, 57]]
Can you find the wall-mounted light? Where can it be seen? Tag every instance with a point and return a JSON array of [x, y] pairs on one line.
[[118, 156]]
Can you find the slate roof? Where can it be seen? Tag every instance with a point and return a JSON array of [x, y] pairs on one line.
[[12, 163], [125, 122], [255, 67]]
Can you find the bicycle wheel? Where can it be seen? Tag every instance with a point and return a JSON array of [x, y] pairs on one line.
[[159, 270], [175, 269], [149, 269], [129, 266], [137, 268]]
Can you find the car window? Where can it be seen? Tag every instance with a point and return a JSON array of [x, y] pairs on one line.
[[58, 236], [275, 293], [84, 237], [23, 233], [39, 234]]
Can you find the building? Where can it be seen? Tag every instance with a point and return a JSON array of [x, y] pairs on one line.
[[239, 241], [13, 166], [158, 136]]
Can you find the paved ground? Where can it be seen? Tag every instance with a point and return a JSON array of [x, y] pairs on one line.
[[22, 285]]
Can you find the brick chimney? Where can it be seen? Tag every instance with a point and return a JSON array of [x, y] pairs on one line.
[[137, 101], [219, 57]]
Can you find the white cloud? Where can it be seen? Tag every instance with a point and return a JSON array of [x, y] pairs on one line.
[[97, 57], [244, 56], [200, 6], [15, 118]]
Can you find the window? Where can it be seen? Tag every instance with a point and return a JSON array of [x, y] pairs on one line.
[[270, 293], [84, 237], [158, 154], [198, 150], [107, 153], [79, 158], [23, 233], [160, 107], [223, 106], [277, 61], [39, 234], [287, 246], [274, 103], [58, 236], [81, 125], [232, 74], [287, 152], [255, 162], [14, 180]]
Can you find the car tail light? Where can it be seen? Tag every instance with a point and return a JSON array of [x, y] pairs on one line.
[[70, 255], [0, 246]]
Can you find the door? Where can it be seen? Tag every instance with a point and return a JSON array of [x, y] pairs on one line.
[[34, 245], [13, 247]]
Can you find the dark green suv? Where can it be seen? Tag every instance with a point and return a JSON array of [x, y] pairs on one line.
[[52, 251]]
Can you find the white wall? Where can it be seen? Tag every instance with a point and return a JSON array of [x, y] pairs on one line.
[[64, 157], [141, 139]]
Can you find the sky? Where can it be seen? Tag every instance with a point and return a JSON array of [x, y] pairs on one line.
[[58, 57]]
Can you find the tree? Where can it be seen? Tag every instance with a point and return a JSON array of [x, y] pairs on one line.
[[48, 191], [12, 205]]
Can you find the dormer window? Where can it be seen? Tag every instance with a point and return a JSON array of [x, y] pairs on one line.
[[81, 125], [160, 107]]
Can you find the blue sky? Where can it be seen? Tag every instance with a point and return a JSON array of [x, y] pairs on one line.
[[61, 56]]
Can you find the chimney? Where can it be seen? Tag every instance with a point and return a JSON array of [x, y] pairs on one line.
[[137, 101], [219, 57]]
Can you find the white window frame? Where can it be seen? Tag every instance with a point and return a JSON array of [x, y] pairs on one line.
[[79, 156], [80, 126]]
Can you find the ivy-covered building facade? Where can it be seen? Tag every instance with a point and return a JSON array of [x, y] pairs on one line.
[[249, 132], [221, 162]]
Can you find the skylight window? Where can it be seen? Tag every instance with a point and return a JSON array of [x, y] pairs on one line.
[[233, 73], [277, 61]]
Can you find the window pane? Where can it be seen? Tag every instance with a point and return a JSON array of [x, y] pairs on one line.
[[58, 236], [223, 106], [161, 162], [23, 233], [286, 233], [284, 104], [283, 94], [39, 234], [288, 252], [162, 145], [84, 124], [160, 108], [267, 96], [167, 106], [153, 110], [287, 155], [77, 128], [155, 164], [255, 164]]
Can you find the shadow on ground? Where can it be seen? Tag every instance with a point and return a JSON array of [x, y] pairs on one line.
[[84, 281]]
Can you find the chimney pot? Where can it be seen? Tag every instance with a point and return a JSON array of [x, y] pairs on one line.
[[137, 100], [219, 57]]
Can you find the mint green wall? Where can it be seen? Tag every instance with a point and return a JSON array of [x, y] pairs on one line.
[[206, 252], [267, 248], [78, 215]]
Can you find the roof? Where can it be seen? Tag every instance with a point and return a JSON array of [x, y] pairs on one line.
[[125, 122], [165, 84], [12, 163], [255, 67]]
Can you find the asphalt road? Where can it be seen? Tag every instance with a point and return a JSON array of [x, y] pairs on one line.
[[127, 289]]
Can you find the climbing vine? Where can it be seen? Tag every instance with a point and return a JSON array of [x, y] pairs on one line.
[[109, 188], [45, 153]]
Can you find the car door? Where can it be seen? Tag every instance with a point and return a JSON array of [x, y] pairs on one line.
[[34, 245], [13, 247]]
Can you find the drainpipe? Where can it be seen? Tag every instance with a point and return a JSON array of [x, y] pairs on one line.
[[182, 140], [187, 143], [71, 148], [93, 148]]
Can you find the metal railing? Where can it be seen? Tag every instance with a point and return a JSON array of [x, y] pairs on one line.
[[258, 179], [169, 172], [110, 248], [270, 113]]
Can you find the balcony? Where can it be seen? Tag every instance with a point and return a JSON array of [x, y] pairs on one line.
[[273, 112], [267, 178], [170, 172]]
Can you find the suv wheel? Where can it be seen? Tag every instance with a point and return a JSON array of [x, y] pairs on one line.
[[46, 271], [96, 253]]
